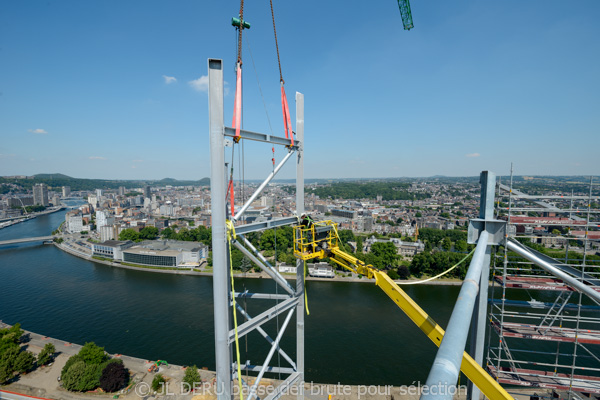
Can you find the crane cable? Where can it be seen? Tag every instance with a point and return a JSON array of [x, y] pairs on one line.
[[287, 122]]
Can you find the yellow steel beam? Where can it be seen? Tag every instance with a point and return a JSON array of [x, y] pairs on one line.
[[476, 374], [490, 388]]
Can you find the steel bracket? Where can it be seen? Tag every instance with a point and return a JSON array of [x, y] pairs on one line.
[[495, 228]]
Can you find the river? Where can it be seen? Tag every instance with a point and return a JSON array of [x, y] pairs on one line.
[[354, 333]]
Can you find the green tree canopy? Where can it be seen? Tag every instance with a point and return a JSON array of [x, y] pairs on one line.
[[129, 234]]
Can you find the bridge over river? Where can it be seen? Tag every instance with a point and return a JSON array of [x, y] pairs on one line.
[[26, 240]]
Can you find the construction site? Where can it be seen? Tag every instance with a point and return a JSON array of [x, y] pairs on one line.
[[534, 326]]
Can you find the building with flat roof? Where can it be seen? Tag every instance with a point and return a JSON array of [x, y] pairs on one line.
[[166, 253], [111, 248]]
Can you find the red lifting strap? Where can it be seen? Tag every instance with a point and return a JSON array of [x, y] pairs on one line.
[[231, 197], [237, 107], [287, 122]]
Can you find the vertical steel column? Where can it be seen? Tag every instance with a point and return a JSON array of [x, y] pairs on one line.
[[300, 263], [219, 234], [478, 324]]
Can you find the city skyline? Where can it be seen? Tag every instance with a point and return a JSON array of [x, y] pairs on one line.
[[118, 91]]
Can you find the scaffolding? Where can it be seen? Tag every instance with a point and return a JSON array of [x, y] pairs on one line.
[[544, 307]]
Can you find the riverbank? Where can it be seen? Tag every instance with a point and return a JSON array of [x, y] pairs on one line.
[[50, 210], [43, 382], [80, 252]]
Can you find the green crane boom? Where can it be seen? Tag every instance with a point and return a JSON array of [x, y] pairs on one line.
[[407, 21]]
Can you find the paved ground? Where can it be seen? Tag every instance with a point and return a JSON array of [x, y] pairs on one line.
[[43, 382]]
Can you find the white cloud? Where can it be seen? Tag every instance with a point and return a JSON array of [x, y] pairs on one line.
[[97, 158], [200, 84], [38, 131], [472, 155], [169, 79]]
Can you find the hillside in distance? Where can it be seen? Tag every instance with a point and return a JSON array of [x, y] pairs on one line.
[[56, 181]]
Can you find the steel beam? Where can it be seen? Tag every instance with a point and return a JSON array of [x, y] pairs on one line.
[[262, 186], [261, 296], [446, 366], [478, 325], [275, 370], [300, 280], [285, 386], [266, 266], [261, 226], [274, 346], [263, 317], [521, 250], [268, 338], [219, 238], [261, 137], [270, 271]]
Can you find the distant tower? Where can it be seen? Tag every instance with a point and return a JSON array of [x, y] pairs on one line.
[[40, 195], [147, 191], [121, 190], [379, 198], [66, 191]]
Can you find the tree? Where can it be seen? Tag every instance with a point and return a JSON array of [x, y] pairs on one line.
[[158, 383], [403, 272], [386, 251], [70, 379], [359, 244], [7, 362], [46, 355], [428, 247], [148, 233], [461, 246], [129, 234], [346, 236], [24, 361], [91, 353], [447, 244], [393, 274], [169, 233], [191, 377], [418, 215], [114, 376]]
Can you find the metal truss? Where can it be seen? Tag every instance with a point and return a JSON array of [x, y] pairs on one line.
[[292, 300]]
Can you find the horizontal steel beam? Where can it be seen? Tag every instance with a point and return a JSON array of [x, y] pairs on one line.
[[261, 137], [276, 370], [261, 226], [262, 296], [263, 317]]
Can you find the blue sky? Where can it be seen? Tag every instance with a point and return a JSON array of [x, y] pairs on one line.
[[114, 89]]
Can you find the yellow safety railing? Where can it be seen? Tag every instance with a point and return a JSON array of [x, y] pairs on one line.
[[311, 240]]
